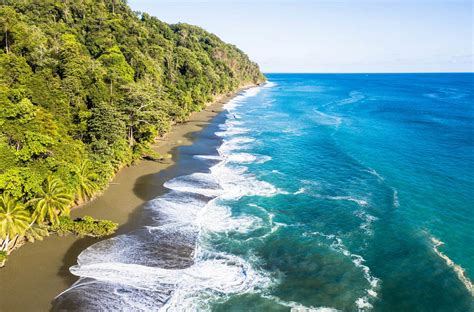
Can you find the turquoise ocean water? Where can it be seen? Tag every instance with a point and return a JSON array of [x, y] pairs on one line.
[[326, 192]]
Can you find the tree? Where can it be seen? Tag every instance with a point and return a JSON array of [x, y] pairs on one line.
[[14, 220], [86, 180], [14, 118], [118, 70], [53, 200], [93, 79], [8, 18], [27, 128], [140, 105], [106, 123]]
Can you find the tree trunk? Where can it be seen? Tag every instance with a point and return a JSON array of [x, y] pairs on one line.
[[6, 41], [111, 92], [131, 141], [5, 244], [16, 240]]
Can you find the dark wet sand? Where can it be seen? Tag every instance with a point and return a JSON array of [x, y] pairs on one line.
[[38, 272]]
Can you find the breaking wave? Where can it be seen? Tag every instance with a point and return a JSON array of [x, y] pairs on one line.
[[167, 265]]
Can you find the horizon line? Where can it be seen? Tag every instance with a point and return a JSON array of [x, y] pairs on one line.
[[368, 73]]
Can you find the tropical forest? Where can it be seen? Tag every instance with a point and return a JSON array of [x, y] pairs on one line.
[[86, 86]]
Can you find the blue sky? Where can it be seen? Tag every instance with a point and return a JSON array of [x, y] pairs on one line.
[[335, 35]]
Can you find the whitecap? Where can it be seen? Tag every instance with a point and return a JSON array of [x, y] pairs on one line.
[[374, 282], [367, 219], [198, 183], [298, 307], [168, 264], [360, 202], [363, 302], [237, 143], [354, 96], [208, 157], [246, 158], [218, 218], [396, 202], [270, 84], [460, 272], [325, 119], [301, 190], [375, 173], [236, 183], [232, 131]]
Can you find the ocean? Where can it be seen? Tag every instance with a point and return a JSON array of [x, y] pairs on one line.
[[317, 192]]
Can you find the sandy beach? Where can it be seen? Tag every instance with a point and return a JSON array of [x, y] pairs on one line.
[[38, 272]]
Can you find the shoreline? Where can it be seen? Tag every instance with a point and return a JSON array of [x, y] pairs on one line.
[[39, 271]]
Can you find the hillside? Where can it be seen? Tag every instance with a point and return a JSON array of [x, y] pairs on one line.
[[85, 88]]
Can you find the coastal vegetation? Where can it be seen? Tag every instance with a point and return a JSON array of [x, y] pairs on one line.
[[85, 88]]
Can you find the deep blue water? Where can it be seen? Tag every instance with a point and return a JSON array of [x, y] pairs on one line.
[[350, 192]]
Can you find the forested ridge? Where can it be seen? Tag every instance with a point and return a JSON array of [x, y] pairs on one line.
[[85, 88]]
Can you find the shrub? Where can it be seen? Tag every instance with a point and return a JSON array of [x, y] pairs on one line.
[[86, 226], [3, 257]]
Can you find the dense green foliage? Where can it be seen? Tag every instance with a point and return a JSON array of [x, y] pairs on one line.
[[85, 88], [3, 257], [86, 226], [14, 220]]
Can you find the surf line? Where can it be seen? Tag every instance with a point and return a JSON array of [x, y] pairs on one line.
[[461, 274]]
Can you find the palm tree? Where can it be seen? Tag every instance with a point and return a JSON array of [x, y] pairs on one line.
[[14, 220], [86, 181], [52, 200]]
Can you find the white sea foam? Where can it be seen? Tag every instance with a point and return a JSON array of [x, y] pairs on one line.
[[396, 202], [337, 245], [446, 94], [360, 202], [367, 219], [307, 190], [461, 274], [270, 84], [232, 131], [325, 119], [162, 265], [354, 96], [246, 158], [301, 190], [295, 131], [217, 218], [274, 226], [177, 207], [375, 173], [131, 259], [208, 157], [236, 183], [298, 307], [220, 276], [236, 143], [230, 123], [209, 279], [198, 183], [362, 302]]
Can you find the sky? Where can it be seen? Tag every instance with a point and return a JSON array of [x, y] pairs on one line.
[[335, 35]]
